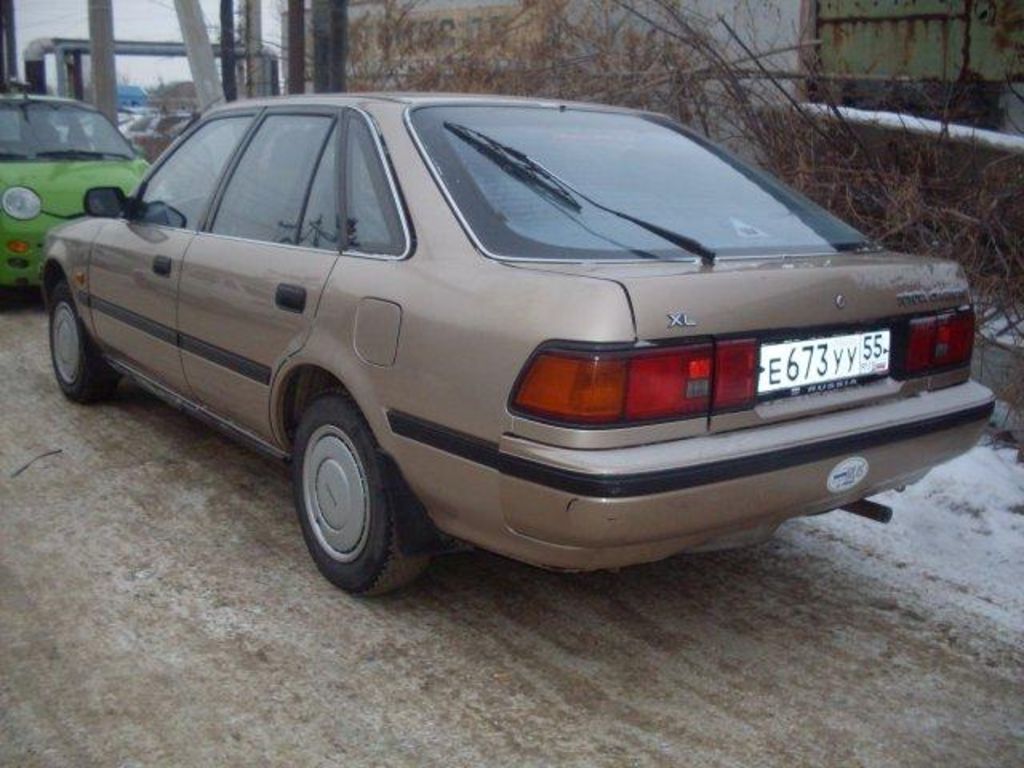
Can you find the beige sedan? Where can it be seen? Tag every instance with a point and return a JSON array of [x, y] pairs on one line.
[[579, 336]]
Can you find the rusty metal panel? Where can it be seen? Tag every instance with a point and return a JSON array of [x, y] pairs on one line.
[[923, 39]]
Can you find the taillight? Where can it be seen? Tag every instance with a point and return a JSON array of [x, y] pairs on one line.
[[735, 374], [672, 383], [939, 342], [920, 344], [954, 339], [575, 388], [624, 387]]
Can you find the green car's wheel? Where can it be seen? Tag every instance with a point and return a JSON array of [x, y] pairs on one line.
[[82, 373]]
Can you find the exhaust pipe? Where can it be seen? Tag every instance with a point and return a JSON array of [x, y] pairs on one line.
[[871, 510]]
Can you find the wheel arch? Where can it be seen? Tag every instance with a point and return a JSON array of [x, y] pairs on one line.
[[53, 273], [297, 385], [295, 388]]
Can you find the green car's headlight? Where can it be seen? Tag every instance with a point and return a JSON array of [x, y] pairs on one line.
[[21, 203]]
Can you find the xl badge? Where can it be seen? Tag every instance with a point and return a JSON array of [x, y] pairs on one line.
[[680, 320]]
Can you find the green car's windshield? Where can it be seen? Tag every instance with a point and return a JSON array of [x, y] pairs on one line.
[[50, 131]]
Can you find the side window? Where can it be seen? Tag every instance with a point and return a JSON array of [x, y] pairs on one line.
[[263, 200], [322, 221], [177, 193], [373, 222]]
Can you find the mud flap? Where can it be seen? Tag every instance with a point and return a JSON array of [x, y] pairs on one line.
[[415, 533]]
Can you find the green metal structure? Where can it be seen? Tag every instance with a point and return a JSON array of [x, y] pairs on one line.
[[939, 40]]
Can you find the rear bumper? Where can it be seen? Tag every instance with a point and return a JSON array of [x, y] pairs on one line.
[[584, 509]]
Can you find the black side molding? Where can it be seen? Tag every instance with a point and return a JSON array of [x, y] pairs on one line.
[[662, 481], [222, 357]]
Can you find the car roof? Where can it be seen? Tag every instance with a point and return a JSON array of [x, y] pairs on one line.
[[410, 99]]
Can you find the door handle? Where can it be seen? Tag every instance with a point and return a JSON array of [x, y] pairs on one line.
[[162, 266], [291, 298]]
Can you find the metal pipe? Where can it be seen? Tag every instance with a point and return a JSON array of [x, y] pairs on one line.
[[872, 510]]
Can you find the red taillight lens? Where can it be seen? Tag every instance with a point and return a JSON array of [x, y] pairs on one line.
[[920, 344], [954, 339], [940, 342], [672, 383], [639, 385], [735, 374]]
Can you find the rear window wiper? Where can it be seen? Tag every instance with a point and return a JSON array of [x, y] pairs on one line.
[[516, 164], [523, 167]]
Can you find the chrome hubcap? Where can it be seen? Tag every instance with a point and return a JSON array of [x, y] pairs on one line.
[[335, 491], [66, 346]]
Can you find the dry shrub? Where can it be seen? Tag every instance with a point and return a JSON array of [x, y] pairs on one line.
[[924, 194]]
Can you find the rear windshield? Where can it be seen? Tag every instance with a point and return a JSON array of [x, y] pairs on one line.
[[577, 184], [36, 130]]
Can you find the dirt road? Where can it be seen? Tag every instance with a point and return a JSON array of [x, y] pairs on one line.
[[157, 607]]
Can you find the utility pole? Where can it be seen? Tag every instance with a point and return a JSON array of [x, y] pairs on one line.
[[9, 64], [101, 51], [339, 45], [254, 77], [296, 46], [200, 52], [330, 45], [227, 49], [321, 45]]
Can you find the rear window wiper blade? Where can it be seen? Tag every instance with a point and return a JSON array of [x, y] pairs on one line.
[[522, 166], [517, 164]]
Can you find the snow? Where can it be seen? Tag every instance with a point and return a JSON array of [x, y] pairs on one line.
[[956, 540], [999, 328], [1005, 141]]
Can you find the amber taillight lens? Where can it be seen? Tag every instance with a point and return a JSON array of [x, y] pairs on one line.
[[584, 389], [636, 386], [939, 342]]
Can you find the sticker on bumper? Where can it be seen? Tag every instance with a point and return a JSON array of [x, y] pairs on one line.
[[847, 474]]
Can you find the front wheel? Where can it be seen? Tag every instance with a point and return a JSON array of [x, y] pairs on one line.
[[346, 513], [82, 373]]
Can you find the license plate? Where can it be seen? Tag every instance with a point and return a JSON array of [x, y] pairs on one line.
[[816, 365]]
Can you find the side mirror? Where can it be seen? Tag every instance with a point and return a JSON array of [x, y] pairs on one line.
[[105, 202]]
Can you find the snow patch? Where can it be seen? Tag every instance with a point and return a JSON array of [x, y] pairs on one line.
[[1006, 141], [956, 539]]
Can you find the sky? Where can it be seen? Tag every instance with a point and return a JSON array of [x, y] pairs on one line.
[[133, 20]]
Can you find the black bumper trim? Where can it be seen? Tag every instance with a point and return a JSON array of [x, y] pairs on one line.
[[663, 481]]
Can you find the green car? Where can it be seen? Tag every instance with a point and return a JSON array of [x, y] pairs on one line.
[[52, 151]]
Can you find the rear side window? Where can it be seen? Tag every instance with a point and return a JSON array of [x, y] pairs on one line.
[[374, 226], [322, 220], [264, 198], [177, 194]]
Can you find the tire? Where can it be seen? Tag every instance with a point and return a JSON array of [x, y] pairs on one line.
[[345, 507], [82, 373]]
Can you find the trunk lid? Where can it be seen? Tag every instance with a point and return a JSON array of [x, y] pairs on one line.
[[785, 299]]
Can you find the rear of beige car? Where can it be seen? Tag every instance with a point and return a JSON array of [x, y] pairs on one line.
[[590, 469], [582, 497]]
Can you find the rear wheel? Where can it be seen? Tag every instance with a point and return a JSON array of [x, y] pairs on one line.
[[82, 373], [346, 512]]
